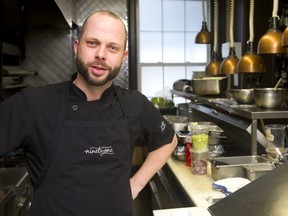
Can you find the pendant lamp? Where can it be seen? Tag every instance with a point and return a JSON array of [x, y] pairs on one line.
[[229, 65], [204, 36], [213, 67], [250, 61], [284, 41], [270, 43]]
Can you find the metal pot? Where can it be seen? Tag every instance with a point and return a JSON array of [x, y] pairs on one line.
[[242, 96], [270, 98]]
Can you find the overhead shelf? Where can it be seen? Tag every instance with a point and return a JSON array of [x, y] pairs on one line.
[[16, 71]]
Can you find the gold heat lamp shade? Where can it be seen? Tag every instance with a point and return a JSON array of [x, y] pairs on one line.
[[213, 67], [229, 65], [204, 36], [251, 62], [270, 43], [284, 41]]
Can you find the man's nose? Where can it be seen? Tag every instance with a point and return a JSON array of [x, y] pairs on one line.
[[100, 53]]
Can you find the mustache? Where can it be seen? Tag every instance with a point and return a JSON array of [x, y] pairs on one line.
[[98, 62]]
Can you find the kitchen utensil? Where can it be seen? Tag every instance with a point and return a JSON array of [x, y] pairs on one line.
[[221, 188], [275, 135], [180, 153], [242, 96], [270, 98], [278, 83], [209, 85]]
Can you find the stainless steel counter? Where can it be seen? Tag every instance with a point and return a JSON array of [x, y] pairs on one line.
[[265, 196]]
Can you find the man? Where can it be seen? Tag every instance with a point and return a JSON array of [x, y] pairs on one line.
[[78, 136]]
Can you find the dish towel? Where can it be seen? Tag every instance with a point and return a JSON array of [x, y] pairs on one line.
[[230, 185]]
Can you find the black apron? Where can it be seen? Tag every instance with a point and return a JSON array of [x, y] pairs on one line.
[[87, 170]]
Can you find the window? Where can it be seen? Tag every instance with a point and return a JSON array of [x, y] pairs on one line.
[[167, 49]]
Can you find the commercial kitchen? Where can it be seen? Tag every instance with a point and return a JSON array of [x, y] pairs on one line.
[[227, 76]]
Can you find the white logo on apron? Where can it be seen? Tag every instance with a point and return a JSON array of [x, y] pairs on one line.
[[101, 150], [163, 126]]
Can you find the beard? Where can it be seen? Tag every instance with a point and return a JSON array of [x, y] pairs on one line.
[[82, 68]]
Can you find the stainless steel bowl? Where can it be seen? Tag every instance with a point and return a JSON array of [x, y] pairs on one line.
[[242, 96], [270, 98], [180, 153]]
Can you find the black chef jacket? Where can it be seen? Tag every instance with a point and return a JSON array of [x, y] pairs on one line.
[[28, 119]]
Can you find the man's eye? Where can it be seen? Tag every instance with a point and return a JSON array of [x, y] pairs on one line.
[[91, 42], [114, 48]]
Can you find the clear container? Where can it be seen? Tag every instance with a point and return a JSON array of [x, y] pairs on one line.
[[275, 136], [199, 162], [200, 137]]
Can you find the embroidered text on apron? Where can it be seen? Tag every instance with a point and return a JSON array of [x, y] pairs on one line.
[[90, 171]]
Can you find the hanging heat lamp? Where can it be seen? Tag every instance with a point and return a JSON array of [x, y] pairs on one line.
[[204, 36], [284, 41], [270, 43], [229, 65], [213, 67], [250, 61]]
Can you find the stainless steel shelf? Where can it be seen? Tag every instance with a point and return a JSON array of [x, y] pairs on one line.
[[229, 107]]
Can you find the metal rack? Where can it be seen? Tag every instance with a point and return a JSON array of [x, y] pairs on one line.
[[229, 107]]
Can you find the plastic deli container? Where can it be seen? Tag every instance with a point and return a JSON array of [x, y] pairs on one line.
[[199, 162], [200, 137]]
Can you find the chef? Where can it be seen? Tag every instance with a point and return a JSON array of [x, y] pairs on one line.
[[78, 136]]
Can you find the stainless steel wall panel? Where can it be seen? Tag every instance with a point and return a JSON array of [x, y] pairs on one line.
[[50, 51], [51, 55]]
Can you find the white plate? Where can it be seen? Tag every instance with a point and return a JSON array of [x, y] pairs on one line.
[[189, 211]]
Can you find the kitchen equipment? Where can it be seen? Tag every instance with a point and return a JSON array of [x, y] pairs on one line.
[[255, 171], [181, 135], [180, 153], [180, 126], [270, 98], [275, 136], [182, 85], [200, 137], [265, 196], [175, 119], [209, 85], [199, 161], [278, 83], [227, 167], [242, 96], [184, 109], [16, 191]]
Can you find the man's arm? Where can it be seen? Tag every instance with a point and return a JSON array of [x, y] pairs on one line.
[[152, 164]]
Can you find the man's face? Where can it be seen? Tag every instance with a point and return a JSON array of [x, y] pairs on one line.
[[100, 51]]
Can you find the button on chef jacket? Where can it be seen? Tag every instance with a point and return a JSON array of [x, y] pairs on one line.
[[34, 119]]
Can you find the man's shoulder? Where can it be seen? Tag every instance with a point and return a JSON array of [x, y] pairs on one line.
[[48, 91], [129, 93]]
